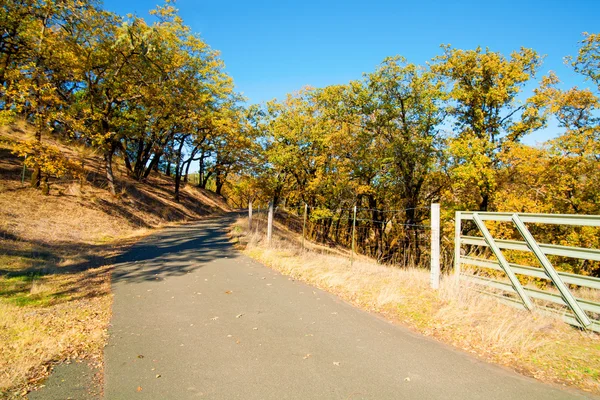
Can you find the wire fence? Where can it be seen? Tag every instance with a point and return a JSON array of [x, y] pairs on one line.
[[399, 237]]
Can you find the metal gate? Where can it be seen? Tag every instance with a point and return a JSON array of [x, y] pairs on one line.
[[576, 311]]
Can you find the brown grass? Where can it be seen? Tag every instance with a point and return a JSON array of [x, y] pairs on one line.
[[55, 256], [536, 345]]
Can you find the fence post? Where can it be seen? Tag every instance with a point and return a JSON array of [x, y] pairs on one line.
[[270, 223], [250, 215], [457, 232], [435, 246], [304, 224], [353, 237]]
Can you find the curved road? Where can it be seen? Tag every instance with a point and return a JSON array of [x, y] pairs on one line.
[[194, 319]]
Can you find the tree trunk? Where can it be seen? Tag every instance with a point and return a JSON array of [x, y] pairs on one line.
[[219, 182], [128, 164], [139, 164], [485, 201], [153, 165], [187, 171], [45, 186], [36, 175], [178, 169], [201, 182], [410, 233], [337, 226], [377, 224], [188, 163], [110, 179]]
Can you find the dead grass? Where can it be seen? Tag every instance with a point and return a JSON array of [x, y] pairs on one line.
[[536, 345], [55, 256]]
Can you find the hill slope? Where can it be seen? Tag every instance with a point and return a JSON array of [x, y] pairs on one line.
[[55, 254]]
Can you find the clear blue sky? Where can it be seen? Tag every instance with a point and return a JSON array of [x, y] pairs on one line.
[[275, 47]]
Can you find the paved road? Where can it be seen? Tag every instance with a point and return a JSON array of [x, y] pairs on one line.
[[195, 319]]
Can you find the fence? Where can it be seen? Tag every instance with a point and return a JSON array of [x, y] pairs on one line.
[[407, 237], [558, 291]]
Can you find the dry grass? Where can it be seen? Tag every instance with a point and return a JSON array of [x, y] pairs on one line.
[[51, 319], [537, 345], [55, 256]]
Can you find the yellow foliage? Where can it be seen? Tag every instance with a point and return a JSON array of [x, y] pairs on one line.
[[48, 158]]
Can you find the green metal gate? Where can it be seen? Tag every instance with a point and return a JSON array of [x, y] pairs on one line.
[[576, 311]]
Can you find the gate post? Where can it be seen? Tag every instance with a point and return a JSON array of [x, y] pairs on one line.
[[457, 232]]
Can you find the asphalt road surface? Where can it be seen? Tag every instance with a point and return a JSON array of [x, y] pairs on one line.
[[194, 319]]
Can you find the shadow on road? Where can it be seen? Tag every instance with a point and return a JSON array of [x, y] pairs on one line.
[[175, 251]]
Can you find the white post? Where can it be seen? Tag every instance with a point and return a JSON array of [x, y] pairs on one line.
[[250, 215], [270, 223], [435, 245]]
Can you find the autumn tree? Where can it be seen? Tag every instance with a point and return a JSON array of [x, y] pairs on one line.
[[406, 109], [489, 116], [36, 76]]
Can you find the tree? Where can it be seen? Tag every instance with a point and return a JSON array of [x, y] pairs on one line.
[[406, 102], [484, 89], [35, 67]]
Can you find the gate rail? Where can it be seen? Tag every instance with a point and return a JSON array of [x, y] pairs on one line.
[[580, 312]]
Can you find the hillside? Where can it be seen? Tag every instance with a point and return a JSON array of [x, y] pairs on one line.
[[55, 253]]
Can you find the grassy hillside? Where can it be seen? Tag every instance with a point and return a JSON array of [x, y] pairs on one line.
[[55, 255]]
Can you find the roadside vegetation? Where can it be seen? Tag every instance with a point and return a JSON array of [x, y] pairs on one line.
[[536, 345], [450, 132]]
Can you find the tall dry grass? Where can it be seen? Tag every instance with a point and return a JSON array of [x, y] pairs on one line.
[[537, 345]]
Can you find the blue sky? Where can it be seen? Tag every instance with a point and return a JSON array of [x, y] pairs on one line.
[[275, 47]]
